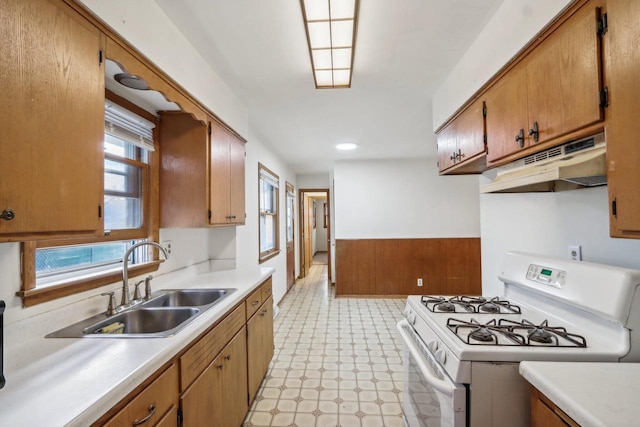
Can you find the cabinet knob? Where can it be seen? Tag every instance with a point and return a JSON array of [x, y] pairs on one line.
[[256, 302], [220, 366], [227, 357], [520, 138], [7, 214], [534, 132]]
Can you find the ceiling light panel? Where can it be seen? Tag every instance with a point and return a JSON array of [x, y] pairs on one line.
[[331, 27]]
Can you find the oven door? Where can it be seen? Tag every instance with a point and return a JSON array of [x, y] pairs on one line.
[[430, 397]]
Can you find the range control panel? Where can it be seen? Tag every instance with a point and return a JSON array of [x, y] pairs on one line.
[[546, 276]]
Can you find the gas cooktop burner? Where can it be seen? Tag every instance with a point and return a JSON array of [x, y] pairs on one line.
[[508, 332], [468, 304]]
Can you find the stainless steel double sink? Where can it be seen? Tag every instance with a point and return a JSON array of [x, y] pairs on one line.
[[165, 314]]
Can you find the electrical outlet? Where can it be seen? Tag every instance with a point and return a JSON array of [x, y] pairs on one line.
[[167, 246], [575, 252], [420, 282]]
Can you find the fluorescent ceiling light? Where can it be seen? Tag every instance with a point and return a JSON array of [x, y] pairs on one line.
[[346, 146], [331, 27]]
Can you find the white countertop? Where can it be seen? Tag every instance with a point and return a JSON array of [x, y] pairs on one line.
[[592, 394], [77, 380]]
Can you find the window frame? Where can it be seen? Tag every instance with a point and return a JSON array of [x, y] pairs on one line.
[[31, 295], [268, 254]]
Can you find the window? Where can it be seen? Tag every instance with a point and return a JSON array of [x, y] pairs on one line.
[[55, 268], [268, 218]]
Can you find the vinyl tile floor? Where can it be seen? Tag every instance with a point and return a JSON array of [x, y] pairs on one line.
[[337, 361]]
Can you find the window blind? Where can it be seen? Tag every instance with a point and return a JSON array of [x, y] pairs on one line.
[[128, 126], [271, 179]]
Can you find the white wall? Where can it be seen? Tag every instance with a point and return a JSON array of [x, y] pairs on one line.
[[321, 232], [540, 223], [247, 246], [403, 199]]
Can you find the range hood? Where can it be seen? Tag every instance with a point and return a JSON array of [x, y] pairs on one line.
[[576, 164]]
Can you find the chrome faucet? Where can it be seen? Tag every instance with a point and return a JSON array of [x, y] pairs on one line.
[[126, 301]]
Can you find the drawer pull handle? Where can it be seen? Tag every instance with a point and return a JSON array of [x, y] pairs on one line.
[[152, 410], [256, 302]]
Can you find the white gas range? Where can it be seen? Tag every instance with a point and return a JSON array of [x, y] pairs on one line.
[[462, 352]]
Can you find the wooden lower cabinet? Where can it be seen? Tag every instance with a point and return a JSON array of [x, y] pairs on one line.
[[153, 404], [259, 345], [218, 397], [544, 413]]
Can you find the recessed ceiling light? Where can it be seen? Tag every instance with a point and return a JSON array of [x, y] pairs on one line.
[[345, 146]]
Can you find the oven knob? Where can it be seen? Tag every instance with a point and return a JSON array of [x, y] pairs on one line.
[[412, 318], [441, 356], [433, 346]]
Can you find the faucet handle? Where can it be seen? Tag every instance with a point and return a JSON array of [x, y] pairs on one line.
[[111, 309], [136, 292], [147, 287]]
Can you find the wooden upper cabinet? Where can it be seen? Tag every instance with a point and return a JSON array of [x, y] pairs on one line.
[[201, 173], [563, 78], [52, 120], [554, 90], [227, 177], [507, 115], [461, 142], [623, 126]]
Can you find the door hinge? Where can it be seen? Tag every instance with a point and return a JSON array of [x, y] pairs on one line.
[[100, 57], [602, 25], [604, 97], [209, 213], [484, 110], [180, 417], [99, 211], [614, 208]]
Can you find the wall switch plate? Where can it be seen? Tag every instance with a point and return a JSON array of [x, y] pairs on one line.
[[167, 246], [575, 252], [419, 282]]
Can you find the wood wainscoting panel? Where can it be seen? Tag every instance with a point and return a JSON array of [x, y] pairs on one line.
[[392, 267]]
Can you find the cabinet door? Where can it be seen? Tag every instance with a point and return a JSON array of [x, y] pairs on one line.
[[623, 152], [52, 119], [470, 132], [220, 175], [563, 78], [507, 115], [268, 333], [237, 157], [255, 353], [446, 147], [234, 380], [201, 403]]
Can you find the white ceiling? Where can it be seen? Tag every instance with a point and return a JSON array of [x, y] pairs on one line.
[[404, 50]]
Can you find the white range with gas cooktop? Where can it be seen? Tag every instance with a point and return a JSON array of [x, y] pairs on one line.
[[462, 353]]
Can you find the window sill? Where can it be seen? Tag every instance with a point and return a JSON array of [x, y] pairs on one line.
[[268, 256], [42, 294]]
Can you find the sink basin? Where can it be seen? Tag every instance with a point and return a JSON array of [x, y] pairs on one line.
[[165, 314], [146, 321], [188, 298]]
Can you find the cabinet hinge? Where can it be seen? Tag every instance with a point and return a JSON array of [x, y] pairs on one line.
[[99, 211], [180, 417], [209, 213], [604, 97], [484, 110], [602, 25], [614, 208], [100, 57], [209, 129], [484, 139]]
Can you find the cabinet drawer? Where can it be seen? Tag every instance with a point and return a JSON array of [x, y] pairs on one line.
[[253, 302], [267, 289], [201, 354], [153, 402]]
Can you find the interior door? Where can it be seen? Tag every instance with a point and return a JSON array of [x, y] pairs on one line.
[[308, 247], [290, 237]]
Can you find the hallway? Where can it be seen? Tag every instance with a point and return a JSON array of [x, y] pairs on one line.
[[337, 362]]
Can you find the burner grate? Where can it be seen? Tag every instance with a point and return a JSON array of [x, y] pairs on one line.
[[523, 333], [468, 304]]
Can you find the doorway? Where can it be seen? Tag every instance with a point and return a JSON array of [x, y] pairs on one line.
[[315, 229], [291, 262]]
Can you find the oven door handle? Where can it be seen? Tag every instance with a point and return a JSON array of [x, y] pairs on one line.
[[445, 387]]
